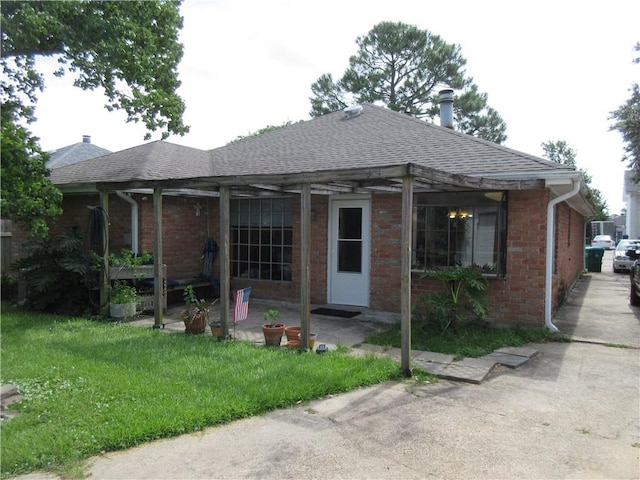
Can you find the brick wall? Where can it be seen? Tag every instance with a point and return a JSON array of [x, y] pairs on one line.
[[519, 297], [569, 254], [386, 228], [516, 299], [187, 223]]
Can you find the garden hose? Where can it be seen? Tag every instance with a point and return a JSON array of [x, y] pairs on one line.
[[98, 242]]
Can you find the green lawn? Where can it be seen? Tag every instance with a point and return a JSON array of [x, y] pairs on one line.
[[95, 386], [471, 340]]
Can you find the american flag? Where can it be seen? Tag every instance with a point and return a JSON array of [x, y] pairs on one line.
[[241, 310]]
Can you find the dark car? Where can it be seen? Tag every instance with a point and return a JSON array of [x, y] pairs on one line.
[[634, 276]]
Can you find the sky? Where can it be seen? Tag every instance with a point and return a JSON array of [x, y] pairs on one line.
[[554, 70]]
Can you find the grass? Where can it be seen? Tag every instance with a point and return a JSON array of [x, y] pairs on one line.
[[471, 340], [94, 386]]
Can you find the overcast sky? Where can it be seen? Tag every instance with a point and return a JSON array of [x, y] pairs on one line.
[[554, 70]]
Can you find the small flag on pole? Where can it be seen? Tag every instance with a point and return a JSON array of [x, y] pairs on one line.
[[241, 299]]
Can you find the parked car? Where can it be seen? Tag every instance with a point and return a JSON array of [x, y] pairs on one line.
[[621, 261], [603, 241], [634, 276]]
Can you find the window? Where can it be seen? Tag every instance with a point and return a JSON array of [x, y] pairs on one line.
[[465, 229], [261, 238]]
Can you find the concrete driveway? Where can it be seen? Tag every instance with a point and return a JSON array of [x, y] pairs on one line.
[[573, 411]]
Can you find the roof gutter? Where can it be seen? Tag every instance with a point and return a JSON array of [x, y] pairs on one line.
[[134, 219], [550, 249]]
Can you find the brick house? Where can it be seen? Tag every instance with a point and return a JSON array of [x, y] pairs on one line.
[[347, 209]]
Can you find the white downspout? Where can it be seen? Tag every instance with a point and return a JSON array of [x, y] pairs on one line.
[[134, 220], [548, 280]]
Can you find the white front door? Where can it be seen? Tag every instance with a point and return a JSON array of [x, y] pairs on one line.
[[349, 251]]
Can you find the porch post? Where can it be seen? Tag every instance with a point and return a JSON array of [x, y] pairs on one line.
[[106, 283], [158, 273], [405, 275], [225, 287], [305, 265]]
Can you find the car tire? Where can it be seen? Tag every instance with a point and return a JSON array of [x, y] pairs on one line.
[[635, 296]]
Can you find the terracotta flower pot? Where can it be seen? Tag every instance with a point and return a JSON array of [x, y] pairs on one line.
[[273, 334], [197, 324], [293, 344], [292, 333], [216, 330]]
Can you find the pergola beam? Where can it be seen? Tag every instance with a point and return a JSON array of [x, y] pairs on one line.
[[158, 274], [305, 265], [225, 276]]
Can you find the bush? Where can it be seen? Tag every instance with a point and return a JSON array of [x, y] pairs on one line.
[[56, 269], [462, 298], [8, 287]]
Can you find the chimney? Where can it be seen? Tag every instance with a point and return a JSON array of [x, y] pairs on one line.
[[86, 138], [446, 108]]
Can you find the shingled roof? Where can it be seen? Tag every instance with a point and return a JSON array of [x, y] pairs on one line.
[[78, 152], [373, 149]]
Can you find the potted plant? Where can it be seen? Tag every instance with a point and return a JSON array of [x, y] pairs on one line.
[[272, 328], [292, 332], [128, 265], [215, 325], [196, 315], [123, 300]]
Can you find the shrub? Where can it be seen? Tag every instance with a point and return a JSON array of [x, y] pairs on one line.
[[463, 293], [55, 269]]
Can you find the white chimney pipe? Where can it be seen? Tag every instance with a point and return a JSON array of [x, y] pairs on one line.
[[446, 108]]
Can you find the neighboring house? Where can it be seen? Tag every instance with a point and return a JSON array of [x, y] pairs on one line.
[[632, 198], [75, 153], [366, 198]]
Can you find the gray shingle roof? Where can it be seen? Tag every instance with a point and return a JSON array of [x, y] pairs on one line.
[[374, 139], [152, 161], [78, 152]]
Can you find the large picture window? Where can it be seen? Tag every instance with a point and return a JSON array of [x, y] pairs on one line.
[[261, 238], [463, 229]]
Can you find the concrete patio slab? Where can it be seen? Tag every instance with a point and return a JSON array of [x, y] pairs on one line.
[[506, 359], [469, 370], [521, 351]]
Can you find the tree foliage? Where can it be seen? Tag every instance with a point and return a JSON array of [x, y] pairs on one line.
[[404, 68], [28, 196], [627, 122], [51, 263], [129, 49], [263, 130], [560, 152]]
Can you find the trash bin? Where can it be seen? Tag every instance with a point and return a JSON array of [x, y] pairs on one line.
[[594, 259]]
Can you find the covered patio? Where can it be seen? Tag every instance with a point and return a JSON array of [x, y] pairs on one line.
[[376, 151]]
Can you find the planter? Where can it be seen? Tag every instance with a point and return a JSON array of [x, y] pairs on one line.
[[273, 335], [293, 344], [122, 310], [312, 340], [292, 333], [216, 329], [197, 324]]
